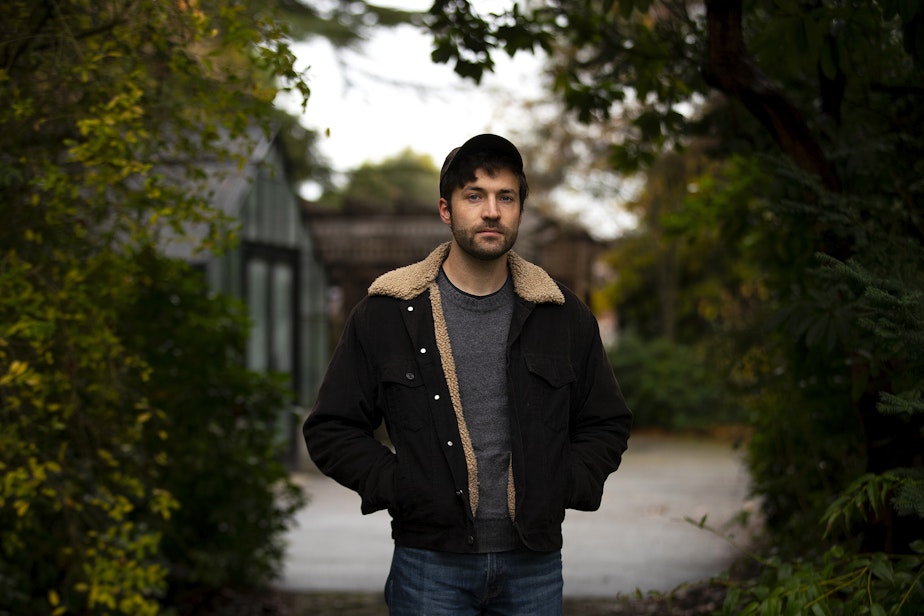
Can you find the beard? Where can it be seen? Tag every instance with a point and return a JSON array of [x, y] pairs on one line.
[[481, 248]]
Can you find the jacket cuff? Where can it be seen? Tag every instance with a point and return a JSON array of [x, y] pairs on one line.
[[585, 495], [379, 491]]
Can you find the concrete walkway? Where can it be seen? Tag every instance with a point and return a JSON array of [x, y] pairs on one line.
[[638, 540]]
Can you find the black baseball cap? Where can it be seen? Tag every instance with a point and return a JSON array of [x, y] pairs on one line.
[[481, 143]]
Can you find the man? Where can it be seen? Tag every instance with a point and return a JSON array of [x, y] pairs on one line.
[[499, 402]]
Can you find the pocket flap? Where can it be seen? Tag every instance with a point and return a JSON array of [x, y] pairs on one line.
[[554, 369], [401, 371]]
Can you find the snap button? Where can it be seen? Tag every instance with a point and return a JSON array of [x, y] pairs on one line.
[[423, 350], [409, 376], [471, 540], [410, 309], [449, 443], [436, 397]]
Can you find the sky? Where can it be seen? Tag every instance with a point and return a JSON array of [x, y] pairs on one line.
[[374, 103]]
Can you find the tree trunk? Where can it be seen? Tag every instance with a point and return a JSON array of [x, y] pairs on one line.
[[729, 69]]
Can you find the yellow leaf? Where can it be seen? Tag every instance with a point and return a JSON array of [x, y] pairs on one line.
[[53, 598], [17, 369]]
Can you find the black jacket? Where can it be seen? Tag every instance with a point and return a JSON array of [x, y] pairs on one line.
[[569, 422]]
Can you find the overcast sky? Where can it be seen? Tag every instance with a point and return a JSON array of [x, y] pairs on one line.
[[372, 104], [391, 96]]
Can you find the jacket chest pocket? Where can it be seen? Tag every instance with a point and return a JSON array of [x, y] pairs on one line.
[[551, 380], [403, 388]]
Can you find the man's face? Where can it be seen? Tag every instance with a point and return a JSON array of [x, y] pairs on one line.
[[485, 214]]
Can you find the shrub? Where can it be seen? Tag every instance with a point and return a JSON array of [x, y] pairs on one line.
[[223, 457], [842, 583], [80, 510], [672, 386], [149, 455]]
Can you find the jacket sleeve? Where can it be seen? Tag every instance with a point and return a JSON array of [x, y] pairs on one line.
[[600, 422], [339, 431]]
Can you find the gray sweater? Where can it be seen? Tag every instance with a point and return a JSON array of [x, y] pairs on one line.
[[478, 328]]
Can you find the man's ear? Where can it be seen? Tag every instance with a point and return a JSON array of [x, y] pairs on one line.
[[445, 211]]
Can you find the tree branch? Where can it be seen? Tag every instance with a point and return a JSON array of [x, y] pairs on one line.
[[729, 69]]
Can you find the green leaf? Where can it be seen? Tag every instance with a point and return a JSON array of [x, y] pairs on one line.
[[882, 569]]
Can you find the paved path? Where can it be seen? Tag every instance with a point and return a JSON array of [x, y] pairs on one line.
[[638, 540]]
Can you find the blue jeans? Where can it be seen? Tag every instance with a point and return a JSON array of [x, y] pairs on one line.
[[518, 583]]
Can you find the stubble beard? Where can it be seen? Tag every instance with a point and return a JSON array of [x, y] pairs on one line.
[[483, 250]]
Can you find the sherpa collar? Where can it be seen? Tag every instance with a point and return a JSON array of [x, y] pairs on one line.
[[530, 281]]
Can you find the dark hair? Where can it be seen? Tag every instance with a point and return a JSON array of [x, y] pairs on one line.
[[463, 171]]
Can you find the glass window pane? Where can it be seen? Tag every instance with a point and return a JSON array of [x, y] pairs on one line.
[[283, 318], [257, 302]]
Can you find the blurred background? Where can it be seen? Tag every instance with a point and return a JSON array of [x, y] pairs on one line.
[[195, 193]]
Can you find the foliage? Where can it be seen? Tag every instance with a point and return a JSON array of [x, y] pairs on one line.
[[873, 495], [75, 472], [467, 39], [844, 581], [799, 461], [835, 333], [673, 386], [342, 23], [854, 326], [649, 60], [689, 270], [108, 109], [223, 454], [689, 283], [404, 182], [841, 583]]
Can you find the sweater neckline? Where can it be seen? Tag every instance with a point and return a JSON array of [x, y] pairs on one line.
[[479, 303]]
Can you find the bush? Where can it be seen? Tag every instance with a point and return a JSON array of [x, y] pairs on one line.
[[222, 454], [80, 512], [136, 448], [672, 386], [109, 110], [841, 583], [802, 452]]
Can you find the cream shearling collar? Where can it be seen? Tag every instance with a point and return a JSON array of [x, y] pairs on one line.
[[530, 281]]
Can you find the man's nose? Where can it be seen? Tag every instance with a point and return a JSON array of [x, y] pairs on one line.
[[491, 209]]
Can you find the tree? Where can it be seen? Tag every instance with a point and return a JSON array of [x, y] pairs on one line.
[[406, 181], [107, 108], [824, 95]]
